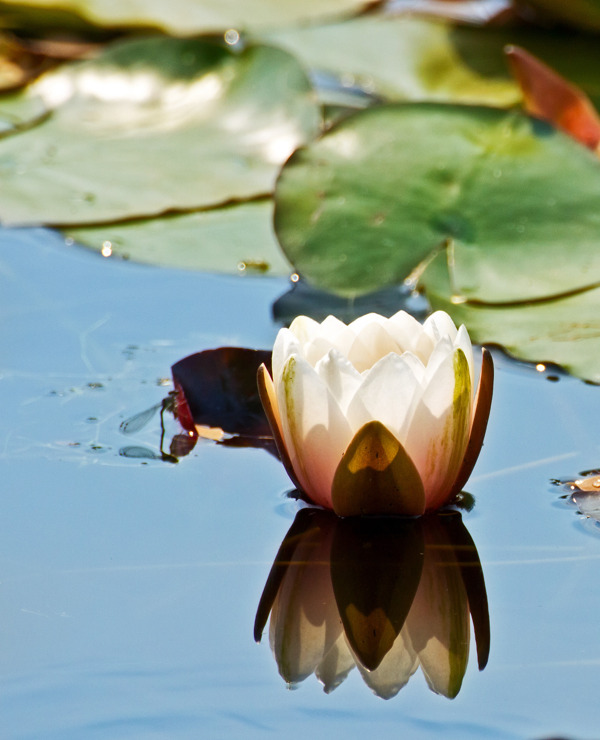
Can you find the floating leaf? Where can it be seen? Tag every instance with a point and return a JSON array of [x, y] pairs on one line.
[[415, 59], [178, 17], [235, 239], [565, 331], [153, 125], [548, 95], [400, 58], [217, 389], [384, 191]]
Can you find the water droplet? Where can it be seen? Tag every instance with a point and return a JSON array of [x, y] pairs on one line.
[[69, 241], [106, 250], [231, 37], [294, 277]]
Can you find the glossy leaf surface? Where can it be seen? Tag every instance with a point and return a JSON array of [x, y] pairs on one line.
[[235, 239], [153, 125], [391, 187]]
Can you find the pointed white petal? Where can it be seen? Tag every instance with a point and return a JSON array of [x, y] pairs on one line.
[[313, 428], [286, 344], [367, 320], [405, 330], [388, 393], [372, 343], [305, 328], [439, 325], [340, 376], [438, 434], [440, 354]]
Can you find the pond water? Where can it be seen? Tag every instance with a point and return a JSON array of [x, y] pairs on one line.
[[129, 586]]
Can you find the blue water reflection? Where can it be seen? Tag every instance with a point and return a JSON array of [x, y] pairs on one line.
[[129, 586]]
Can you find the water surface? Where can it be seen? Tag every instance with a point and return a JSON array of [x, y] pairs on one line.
[[129, 586]]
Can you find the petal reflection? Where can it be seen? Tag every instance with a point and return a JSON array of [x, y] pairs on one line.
[[385, 594]]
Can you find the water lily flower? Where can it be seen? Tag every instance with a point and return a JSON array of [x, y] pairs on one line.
[[378, 416]]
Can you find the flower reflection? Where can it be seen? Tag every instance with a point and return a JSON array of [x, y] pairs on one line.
[[386, 595]]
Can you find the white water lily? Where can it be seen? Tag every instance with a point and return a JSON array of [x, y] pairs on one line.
[[378, 416]]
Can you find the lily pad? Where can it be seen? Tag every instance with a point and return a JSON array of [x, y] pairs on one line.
[[235, 239], [401, 59], [178, 17], [153, 125], [407, 58], [564, 331], [511, 201]]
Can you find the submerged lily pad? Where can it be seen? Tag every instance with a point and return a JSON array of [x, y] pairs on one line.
[[153, 125], [235, 239], [513, 202], [179, 17]]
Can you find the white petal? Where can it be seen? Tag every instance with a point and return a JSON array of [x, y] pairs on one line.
[[340, 376], [440, 354], [439, 325], [389, 394], [314, 429], [286, 344], [405, 330], [366, 320], [372, 342], [423, 347], [305, 328], [438, 433]]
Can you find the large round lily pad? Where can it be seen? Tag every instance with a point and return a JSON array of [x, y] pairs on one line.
[[153, 125], [512, 201], [237, 239]]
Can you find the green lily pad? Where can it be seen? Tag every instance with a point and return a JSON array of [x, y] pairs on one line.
[[398, 58], [153, 125], [512, 202], [407, 58], [564, 331], [178, 17], [237, 239]]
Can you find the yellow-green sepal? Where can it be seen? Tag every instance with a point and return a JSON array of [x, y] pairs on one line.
[[376, 476]]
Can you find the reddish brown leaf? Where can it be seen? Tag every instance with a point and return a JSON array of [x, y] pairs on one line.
[[549, 96]]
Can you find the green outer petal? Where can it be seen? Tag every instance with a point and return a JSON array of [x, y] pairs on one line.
[[376, 476]]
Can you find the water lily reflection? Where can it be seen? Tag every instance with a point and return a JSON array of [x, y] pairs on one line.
[[386, 595]]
